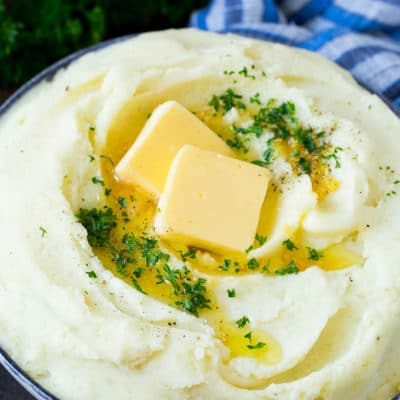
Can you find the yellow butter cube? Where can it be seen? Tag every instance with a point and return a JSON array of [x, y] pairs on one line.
[[169, 128], [211, 201]]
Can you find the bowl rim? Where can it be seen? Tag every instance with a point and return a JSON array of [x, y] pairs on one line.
[[28, 383]]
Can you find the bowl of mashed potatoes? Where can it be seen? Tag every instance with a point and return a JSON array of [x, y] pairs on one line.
[[189, 215]]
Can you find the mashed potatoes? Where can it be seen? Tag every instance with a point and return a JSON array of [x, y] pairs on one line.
[[94, 306]]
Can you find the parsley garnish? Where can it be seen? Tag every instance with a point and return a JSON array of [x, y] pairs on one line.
[[91, 274], [334, 156], [291, 268], [253, 264], [289, 245], [314, 254], [226, 265], [259, 345], [304, 165], [214, 103], [251, 346], [42, 230], [97, 180], [261, 239], [242, 322], [237, 143], [136, 285], [191, 253], [244, 71], [228, 100], [122, 202], [255, 99], [249, 249], [91, 158], [98, 224], [138, 272], [231, 292]]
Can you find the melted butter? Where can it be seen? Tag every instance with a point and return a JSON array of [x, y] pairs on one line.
[[269, 211], [333, 258], [321, 179], [234, 339], [142, 208]]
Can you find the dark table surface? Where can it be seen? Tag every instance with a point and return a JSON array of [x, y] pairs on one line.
[[10, 388]]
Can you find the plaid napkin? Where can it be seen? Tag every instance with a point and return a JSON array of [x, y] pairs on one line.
[[363, 36]]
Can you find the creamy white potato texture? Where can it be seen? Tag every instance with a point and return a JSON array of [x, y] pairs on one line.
[[311, 310]]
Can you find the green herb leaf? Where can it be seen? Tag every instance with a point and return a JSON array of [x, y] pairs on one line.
[[242, 322], [314, 254], [91, 274], [98, 224], [191, 253], [253, 264], [304, 165], [136, 285], [42, 230], [291, 268], [289, 245], [226, 265], [259, 345], [122, 202], [261, 239], [96, 180], [248, 335], [231, 292]]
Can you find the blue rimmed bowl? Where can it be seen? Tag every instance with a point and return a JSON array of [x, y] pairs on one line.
[[22, 377]]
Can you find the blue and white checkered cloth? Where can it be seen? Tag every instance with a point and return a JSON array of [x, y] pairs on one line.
[[363, 36]]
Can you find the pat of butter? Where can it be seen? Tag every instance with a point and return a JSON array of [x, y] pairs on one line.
[[169, 127], [211, 201]]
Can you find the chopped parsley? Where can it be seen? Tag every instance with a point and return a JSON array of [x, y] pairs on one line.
[[304, 165], [231, 292], [227, 101], [136, 285], [98, 224], [244, 71], [261, 239], [259, 345], [122, 202], [249, 249], [255, 99], [226, 265], [138, 272], [253, 264], [289, 245], [238, 143], [334, 156], [242, 322], [191, 253], [189, 291], [91, 158], [42, 230], [252, 346], [107, 192], [214, 103], [314, 254], [91, 274], [291, 268], [96, 180]]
